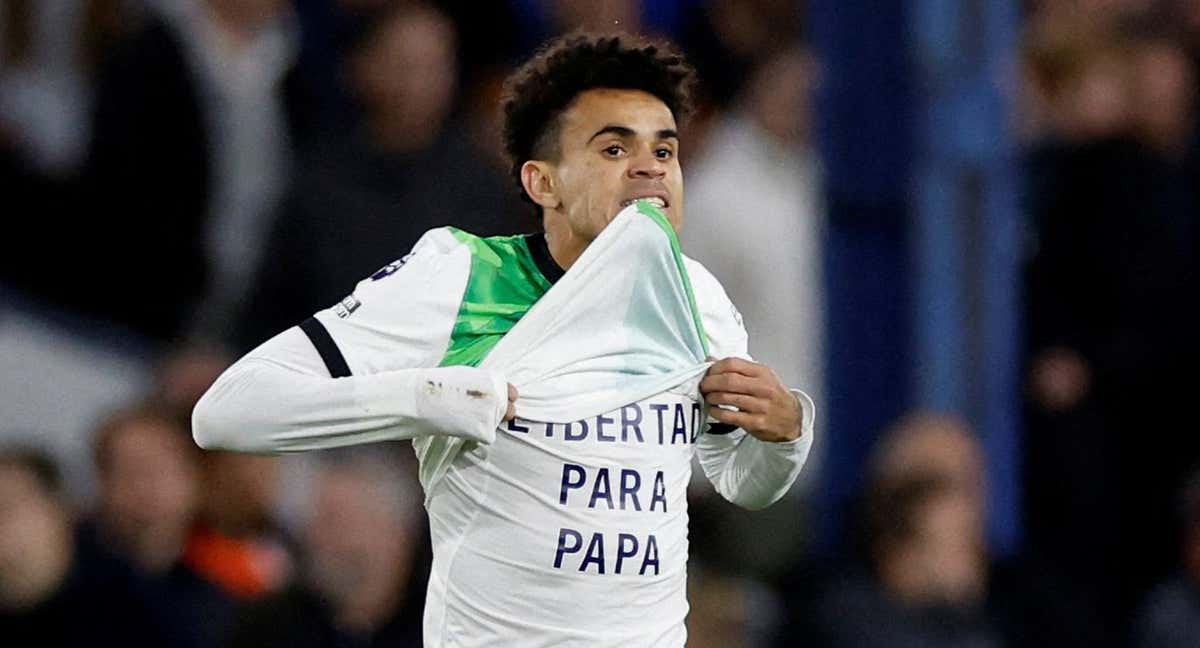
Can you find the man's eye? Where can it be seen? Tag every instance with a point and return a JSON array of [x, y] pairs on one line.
[[614, 150], [664, 153]]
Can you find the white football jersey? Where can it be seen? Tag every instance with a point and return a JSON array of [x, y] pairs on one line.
[[567, 526]]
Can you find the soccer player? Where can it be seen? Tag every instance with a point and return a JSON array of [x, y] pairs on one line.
[[546, 534]]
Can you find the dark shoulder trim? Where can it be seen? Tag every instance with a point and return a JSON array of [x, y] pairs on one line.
[[541, 256], [335, 362]]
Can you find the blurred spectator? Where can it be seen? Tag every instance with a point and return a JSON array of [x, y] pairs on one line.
[[753, 218], [53, 591], [366, 561], [50, 55], [489, 36], [727, 611], [48, 52], [923, 540], [725, 40], [236, 542], [364, 196], [1170, 615], [927, 579], [148, 481], [1166, 87], [185, 374], [929, 444], [1113, 202], [316, 81], [189, 151], [1077, 79], [147, 467], [57, 377]]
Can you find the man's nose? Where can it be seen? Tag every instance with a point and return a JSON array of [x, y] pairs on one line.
[[647, 165]]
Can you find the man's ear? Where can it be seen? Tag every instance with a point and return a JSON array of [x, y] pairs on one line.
[[538, 181]]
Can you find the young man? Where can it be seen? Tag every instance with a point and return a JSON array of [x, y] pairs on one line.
[[545, 532]]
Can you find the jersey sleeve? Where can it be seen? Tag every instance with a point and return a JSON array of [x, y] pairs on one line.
[[401, 316], [744, 470], [722, 322], [362, 371]]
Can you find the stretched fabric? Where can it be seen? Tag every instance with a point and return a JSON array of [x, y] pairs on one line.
[[620, 326]]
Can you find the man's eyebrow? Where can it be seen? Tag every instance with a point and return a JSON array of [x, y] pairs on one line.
[[621, 131], [625, 131]]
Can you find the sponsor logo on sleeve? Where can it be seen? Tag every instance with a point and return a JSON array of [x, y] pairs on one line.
[[391, 268], [346, 307]]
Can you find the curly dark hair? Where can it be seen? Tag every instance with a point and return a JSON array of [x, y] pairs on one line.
[[537, 93]]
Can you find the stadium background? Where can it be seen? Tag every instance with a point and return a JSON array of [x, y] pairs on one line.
[[967, 227]]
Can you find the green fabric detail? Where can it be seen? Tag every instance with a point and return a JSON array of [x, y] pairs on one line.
[[503, 284], [660, 218]]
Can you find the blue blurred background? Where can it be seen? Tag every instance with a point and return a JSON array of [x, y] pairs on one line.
[[967, 227]]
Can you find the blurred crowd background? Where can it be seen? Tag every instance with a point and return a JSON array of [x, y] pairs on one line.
[[967, 228]]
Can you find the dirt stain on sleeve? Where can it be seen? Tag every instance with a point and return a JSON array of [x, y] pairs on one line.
[[476, 394]]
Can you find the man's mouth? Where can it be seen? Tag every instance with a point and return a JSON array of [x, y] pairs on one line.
[[657, 201]]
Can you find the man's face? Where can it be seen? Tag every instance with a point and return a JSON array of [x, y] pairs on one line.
[[616, 146]]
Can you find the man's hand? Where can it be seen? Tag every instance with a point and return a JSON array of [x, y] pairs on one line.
[[766, 409], [512, 400]]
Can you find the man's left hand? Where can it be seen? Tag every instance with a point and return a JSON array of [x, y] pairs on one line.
[[766, 409]]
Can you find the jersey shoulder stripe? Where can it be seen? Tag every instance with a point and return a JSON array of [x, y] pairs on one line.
[[330, 354]]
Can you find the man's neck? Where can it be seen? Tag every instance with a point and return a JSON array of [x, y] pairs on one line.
[[565, 245]]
